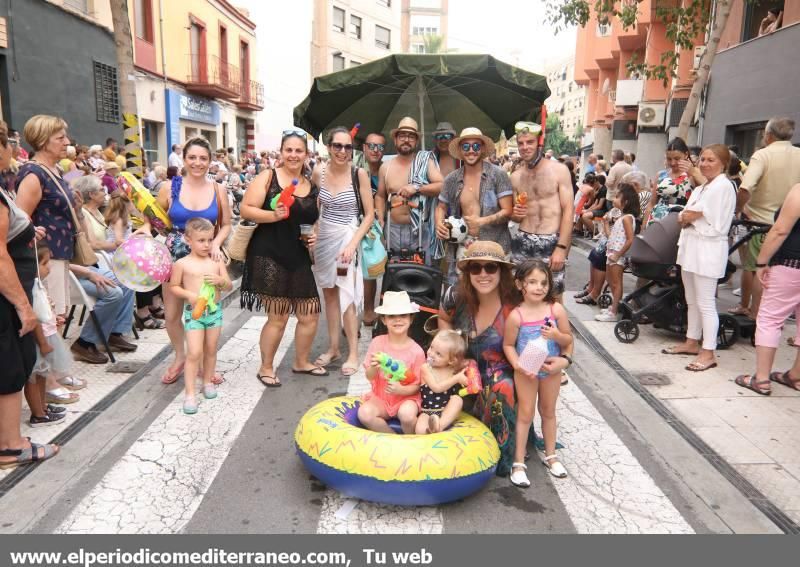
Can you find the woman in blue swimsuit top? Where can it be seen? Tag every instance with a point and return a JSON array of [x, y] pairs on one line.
[[191, 196]]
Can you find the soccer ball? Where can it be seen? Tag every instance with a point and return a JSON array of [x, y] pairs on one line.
[[458, 229]]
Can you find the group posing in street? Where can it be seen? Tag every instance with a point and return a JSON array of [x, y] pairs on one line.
[[504, 277]]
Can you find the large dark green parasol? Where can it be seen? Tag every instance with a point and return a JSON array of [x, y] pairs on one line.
[[465, 90]]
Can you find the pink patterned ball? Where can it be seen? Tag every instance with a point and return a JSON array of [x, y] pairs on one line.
[[142, 263]]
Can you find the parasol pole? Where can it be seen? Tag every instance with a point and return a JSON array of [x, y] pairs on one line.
[[421, 103]]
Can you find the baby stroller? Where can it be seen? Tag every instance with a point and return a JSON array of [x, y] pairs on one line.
[[653, 256], [406, 271]]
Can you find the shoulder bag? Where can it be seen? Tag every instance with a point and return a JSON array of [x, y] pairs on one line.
[[82, 254], [240, 239], [373, 253]]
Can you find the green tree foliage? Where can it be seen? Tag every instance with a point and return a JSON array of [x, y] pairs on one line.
[[433, 43], [555, 139]]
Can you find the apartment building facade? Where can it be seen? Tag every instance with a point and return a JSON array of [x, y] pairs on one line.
[[421, 19], [754, 77], [567, 98], [347, 33], [196, 68], [56, 57], [629, 112]]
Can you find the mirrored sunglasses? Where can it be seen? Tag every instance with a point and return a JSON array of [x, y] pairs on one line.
[[476, 147], [337, 147], [438, 137], [475, 269], [294, 132], [376, 147]]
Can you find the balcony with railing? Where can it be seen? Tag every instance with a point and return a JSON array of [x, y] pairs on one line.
[[212, 77], [251, 96]]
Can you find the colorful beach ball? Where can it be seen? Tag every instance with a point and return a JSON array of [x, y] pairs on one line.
[[142, 263]]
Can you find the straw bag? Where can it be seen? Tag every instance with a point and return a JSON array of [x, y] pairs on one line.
[[240, 239], [82, 253]]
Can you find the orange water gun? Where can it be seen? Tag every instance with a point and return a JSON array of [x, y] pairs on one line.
[[522, 199], [205, 299], [473, 380], [285, 197]]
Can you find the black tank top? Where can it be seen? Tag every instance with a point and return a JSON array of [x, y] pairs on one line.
[[790, 249]]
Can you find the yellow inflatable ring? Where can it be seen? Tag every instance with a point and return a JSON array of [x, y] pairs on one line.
[[416, 470]]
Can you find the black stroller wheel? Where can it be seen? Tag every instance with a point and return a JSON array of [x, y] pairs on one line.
[[604, 301], [729, 331], [626, 331]]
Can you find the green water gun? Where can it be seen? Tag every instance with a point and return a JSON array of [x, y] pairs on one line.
[[395, 369], [206, 297]]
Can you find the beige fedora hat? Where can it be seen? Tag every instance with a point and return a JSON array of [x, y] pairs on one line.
[[407, 124], [484, 251], [397, 303], [471, 134]]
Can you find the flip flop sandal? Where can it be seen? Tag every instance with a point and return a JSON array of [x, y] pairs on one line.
[[172, 374], [749, 381], [697, 367], [316, 371], [581, 294], [326, 360], [556, 468], [677, 352], [217, 379], [276, 383], [586, 301], [61, 396], [519, 478], [370, 323], [72, 383], [349, 370], [739, 310], [785, 379]]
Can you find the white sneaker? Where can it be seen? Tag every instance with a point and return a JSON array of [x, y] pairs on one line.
[[607, 317], [737, 292]]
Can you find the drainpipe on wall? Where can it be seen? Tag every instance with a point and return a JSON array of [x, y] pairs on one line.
[[161, 32]]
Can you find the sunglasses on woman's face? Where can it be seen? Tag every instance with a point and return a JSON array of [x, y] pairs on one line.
[[439, 137], [337, 147], [476, 147], [475, 269], [376, 147]]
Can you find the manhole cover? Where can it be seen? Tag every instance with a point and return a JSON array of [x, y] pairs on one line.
[[653, 379]]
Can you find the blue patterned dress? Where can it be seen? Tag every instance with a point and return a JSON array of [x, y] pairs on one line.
[[495, 406]]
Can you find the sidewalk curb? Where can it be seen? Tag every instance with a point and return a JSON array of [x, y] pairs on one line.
[[754, 496], [73, 429]]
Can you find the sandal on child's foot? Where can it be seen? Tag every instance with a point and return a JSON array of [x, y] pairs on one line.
[[190, 405], [554, 466], [519, 478], [209, 391]]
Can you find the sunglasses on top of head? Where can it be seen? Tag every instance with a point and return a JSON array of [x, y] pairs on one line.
[[376, 147], [337, 147], [475, 146], [439, 137], [294, 132], [475, 269]]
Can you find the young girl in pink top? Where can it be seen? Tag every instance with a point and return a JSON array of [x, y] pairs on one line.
[[389, 398]]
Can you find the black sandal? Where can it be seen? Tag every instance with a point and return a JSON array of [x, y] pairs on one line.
[[586, 300], [149, 322], [158, 312]]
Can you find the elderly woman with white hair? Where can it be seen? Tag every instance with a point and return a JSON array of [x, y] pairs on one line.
[[641, 183], [96, 159]]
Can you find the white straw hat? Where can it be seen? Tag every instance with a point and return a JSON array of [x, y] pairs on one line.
[[397, 303]]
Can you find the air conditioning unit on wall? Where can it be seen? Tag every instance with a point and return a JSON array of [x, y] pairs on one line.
[[651, 114]]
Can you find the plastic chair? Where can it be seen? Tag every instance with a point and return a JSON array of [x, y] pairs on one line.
[[78, 296]]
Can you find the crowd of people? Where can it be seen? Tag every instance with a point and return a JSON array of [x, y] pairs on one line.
[[504, 273]]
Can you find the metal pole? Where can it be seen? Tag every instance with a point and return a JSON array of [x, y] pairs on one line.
[[421, 101]]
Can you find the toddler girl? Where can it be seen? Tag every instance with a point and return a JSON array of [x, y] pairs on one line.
[[537, 317], [118, 218], [619, 241], [442, 378], [389, 397]]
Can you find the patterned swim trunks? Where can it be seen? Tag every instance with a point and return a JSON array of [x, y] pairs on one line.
[[526, 246], [208, 320]]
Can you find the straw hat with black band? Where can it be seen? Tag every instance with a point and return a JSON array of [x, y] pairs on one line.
[[471, 134], [484, 251]]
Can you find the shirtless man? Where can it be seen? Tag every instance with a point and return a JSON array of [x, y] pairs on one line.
[[545, 230], [442, 136], [479, 192], [397, 188]]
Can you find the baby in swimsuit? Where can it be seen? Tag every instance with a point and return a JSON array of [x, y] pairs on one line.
[[442, 378]]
